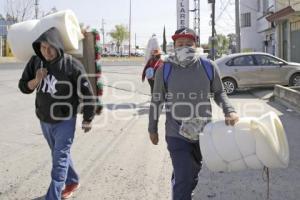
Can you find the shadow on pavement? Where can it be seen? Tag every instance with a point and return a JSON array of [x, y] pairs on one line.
[[39, 198]]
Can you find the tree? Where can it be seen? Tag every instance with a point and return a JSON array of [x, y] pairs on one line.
[[221, 45], [20, 10], [232, 42], [119, 35], [51, 11], [164, 41]]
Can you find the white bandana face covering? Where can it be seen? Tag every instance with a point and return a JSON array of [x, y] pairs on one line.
[[185, 56]]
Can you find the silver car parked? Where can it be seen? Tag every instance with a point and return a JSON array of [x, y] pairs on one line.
[[245, 70]]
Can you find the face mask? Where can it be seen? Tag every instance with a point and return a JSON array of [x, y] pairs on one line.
[[185, 55]]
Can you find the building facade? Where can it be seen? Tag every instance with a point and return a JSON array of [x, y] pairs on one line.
[[257, 33], [271, 26], [287, 21]]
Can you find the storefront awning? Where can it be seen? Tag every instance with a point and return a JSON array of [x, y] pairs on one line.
[[281, 14]]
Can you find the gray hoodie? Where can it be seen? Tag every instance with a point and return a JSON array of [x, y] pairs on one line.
[[186, 95]]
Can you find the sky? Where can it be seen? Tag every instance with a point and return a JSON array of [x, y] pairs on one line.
[[148, 16]]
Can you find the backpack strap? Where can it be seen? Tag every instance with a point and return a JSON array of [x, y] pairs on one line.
[[167, 68], [208, 68]]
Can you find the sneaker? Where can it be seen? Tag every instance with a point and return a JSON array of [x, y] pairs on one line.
[[69, 190]]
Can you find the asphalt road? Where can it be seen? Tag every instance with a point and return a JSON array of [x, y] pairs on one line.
[[116, 159]]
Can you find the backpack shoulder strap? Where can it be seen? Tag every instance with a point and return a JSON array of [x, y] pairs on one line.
[[166, 72], [208, 68]]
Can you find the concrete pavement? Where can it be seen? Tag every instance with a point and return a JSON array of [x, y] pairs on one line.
[[116, 159]]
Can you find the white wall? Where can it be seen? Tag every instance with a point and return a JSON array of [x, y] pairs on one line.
[[250, 38]]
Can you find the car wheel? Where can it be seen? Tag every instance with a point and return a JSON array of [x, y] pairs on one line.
[[229, 85], [295, 80]]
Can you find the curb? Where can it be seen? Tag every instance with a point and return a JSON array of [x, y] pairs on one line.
[[287, 96]]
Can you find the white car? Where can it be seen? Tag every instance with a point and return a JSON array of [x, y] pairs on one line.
[[246, 70]]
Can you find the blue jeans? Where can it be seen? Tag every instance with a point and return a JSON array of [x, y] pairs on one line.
[[60, 138], [187, 162]]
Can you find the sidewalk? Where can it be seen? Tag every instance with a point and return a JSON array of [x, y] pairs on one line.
[[8, 60], [106, 61]]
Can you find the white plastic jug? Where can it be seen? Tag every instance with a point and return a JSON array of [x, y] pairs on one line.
[[22, 35], [20, 38], [152, 44], [252, 143]]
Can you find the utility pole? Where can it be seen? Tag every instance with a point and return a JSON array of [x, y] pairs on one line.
[[197, 19], [36, 4], [129, 28], [213, 31], [103, 34], [135, 43], [237, 26]]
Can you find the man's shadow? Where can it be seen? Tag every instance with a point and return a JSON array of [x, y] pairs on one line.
[[39, 198], [141, 109]]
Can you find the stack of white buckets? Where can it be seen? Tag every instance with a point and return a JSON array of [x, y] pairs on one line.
[[253, 143], [22, 35]]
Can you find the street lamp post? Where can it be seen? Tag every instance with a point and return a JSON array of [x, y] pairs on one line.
[[103, 35], [196, 12], [213, 31], [129, 52]]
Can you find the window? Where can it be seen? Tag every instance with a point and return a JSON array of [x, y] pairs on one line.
[[241, 61], [266, 60], [246, 20]]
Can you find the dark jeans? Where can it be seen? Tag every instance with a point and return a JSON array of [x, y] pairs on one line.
[[187, 161]]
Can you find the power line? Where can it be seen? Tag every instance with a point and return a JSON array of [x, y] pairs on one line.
[[224, 9], [253, 9], [228, 14]]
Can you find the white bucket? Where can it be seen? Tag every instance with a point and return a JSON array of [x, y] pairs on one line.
[[22, 35], [252, 143]]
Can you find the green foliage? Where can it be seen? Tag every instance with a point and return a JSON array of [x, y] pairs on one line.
[[119, 35], [221, 45]]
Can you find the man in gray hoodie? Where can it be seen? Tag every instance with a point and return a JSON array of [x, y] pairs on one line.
[[185, 84]]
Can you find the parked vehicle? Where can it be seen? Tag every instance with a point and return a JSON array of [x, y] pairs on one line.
[[246, 70], [105, 54]]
